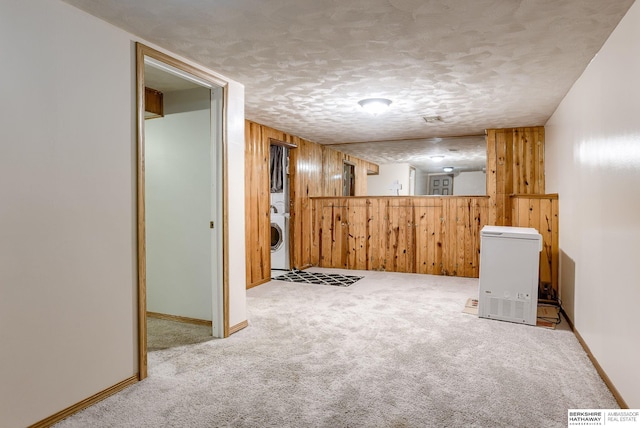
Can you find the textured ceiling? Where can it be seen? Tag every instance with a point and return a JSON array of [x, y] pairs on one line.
[[165, 82], [306, 63], [461, 153]]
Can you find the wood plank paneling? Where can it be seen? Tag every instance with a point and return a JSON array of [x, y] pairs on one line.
[[438, 243], [314, 170], [363, 168], [478, 218], [515, 165], [492, 170], [430, 234], [541, 213], [305, 181], [257, 216], [332, 169], [434, 235], [422, 233]]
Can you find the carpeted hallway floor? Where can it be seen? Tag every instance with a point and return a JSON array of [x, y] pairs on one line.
[[392, 350], [165, 334]]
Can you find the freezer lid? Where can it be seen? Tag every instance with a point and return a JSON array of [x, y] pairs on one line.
[[511, 232]]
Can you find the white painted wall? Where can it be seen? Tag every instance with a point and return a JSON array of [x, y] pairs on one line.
[[178, 206], [235, 219], [378, 185], [67, 208], [470, 183], [593, 161], [422, 182]]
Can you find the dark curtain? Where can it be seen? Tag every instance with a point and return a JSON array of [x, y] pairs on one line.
[[277, 154]]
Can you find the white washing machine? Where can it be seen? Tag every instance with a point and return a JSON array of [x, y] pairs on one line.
[[279, 233], [279, 241]]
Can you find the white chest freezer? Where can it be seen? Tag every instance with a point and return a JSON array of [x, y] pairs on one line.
[[509, 259]]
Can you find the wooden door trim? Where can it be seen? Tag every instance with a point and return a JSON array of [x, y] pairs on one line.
[[141, 52]]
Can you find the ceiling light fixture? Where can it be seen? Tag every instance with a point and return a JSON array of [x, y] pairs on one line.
[[437, 158], [448, 169], [375, 106]]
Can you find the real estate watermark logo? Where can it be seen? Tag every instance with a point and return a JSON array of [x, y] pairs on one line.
[[603, 417]]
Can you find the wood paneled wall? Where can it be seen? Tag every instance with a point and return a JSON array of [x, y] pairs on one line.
[[314, 170], [257, 215], [332, 169], [433, 235], [541, 212], [515, 165], [305, 181], [516, 186]]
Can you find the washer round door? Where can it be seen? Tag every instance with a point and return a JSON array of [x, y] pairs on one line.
[[276, 237]]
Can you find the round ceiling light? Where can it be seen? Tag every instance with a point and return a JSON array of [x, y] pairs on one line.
[[375, 106], [448, 169], [437, 158]]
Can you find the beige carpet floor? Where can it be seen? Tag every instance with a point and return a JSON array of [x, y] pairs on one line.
[[164, 334], [392, 350]]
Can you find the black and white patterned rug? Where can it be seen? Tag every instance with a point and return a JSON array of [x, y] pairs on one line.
[[319, 278]]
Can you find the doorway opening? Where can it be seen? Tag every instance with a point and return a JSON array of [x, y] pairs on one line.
[[279, 206], [348, 179], [181, 194]]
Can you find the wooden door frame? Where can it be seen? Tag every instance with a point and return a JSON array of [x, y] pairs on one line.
[[141, 52]]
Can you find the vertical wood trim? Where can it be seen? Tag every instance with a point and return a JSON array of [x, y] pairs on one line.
[[226, 332], [141, 231], [295, 172], [371, 215], [438, 224], [545, 228], [343, 249], [540, 148], [501, 175], [373, 238], [315, 235], [535, 160], [491, 173], [422, 238], [555, 248], [361, 245], [467, 209], [480, 220], [511, 162], [520, 163]]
